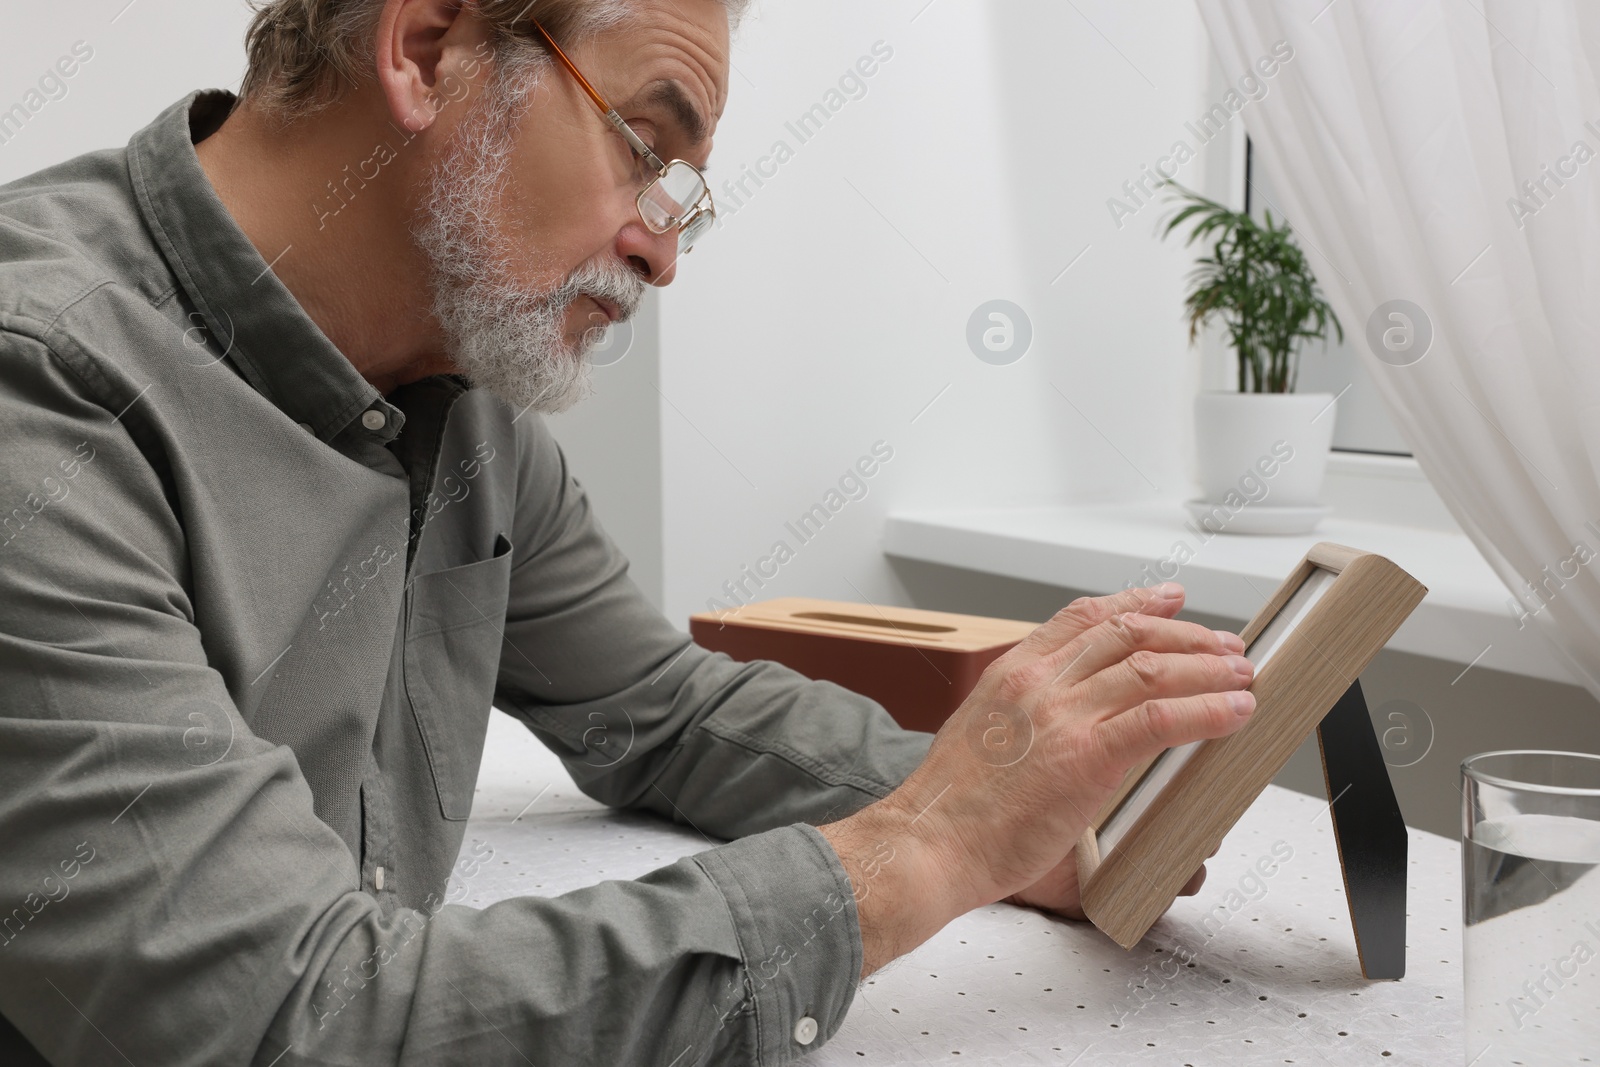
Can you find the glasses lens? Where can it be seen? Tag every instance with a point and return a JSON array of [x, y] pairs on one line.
[[694, 229], [672, 196]]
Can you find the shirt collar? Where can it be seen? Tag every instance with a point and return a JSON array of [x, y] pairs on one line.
[[275, 345]]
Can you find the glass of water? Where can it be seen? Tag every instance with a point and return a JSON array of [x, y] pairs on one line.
[[1530, 872]]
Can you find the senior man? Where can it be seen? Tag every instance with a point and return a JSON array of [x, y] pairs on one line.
[[283, 519]]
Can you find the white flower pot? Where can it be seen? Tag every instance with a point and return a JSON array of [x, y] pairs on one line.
[[1271, 449]]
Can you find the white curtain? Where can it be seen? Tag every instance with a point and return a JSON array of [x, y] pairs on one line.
[[1400, 136]]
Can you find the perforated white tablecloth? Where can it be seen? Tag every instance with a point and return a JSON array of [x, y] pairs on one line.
[[1271, 977]]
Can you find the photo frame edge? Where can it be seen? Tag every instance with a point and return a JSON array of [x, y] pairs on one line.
[[1406, 593]]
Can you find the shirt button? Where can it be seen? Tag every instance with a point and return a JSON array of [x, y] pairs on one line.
[[374, 419], [805, 1031]]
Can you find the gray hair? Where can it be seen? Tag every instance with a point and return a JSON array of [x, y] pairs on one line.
[[304, 54]]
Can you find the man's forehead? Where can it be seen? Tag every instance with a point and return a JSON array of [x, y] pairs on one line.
[[673, 97], [673, 56]]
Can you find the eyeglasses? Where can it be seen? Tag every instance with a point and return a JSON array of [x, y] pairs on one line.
[[677, 196]]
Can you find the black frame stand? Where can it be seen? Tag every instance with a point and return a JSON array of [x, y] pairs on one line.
[[1370, 832]]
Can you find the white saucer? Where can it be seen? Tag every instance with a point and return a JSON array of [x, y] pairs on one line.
[[1256, 518]]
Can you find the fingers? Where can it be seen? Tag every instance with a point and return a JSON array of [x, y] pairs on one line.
[[1144, 676], [1114, 639], [1192, 886], [1136, 735], [1087, 612]]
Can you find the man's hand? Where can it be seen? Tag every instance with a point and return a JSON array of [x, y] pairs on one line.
[[1016, 773], [1058, 891]]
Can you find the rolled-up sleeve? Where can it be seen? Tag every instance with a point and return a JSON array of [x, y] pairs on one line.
[[168, 894]]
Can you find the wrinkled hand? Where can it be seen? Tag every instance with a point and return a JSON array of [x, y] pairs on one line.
[[1057, 892], [1044, 739], [1106, 684]]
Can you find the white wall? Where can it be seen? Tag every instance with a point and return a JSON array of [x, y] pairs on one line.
[[145, 56], [832, 307], [612, 442]]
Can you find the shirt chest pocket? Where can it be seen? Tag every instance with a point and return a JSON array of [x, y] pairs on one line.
[[454, 621]]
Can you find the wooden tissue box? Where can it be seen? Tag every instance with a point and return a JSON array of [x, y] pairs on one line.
[[920, 665]]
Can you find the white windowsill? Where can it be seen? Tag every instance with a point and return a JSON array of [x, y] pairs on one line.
[[1384, 489], [1100, 548]]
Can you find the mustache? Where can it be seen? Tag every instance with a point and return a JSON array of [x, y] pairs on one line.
[[611, 281]]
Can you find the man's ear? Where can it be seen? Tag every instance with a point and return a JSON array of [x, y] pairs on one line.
[[416, 54]]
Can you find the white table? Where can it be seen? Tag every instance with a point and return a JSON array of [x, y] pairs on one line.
[[1272, 979]]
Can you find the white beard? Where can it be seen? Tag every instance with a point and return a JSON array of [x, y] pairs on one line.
[[500, 336]]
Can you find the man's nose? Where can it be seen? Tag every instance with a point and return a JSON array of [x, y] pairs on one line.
[[653, 255]]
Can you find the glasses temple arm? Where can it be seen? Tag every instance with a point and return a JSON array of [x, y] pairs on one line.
[[599, 101], [633, 140]]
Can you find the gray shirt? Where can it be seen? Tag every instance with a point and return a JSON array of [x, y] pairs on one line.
[[253, 615]]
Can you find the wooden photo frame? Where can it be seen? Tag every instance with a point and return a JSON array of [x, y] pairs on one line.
[[1309, 643]]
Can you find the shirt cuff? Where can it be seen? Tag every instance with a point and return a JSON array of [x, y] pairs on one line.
[[794, 914]]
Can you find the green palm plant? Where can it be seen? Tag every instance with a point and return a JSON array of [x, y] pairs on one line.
[[1257, 279]]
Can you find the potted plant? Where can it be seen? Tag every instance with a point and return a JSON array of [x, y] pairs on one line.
[[1263, 447]]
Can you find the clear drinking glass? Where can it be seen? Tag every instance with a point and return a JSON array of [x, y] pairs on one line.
[[1530, 872]]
